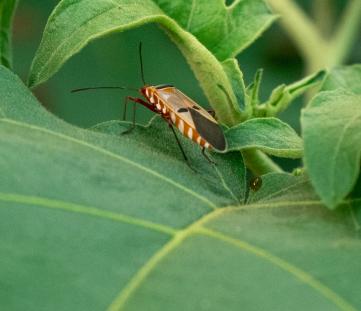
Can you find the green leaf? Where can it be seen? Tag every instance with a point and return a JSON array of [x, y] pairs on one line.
[[332, 137], [229, 170], [347, 77], [254, 88], [270, 135], [235, 76], [107, 221], [73, 24], [7, 9], [230, 30]]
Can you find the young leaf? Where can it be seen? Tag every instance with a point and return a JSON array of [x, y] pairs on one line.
[[102, 220], [73, 24], [253, 89], [7, 8], [235, 76], [270, 135], [332, 137], [283, 95]]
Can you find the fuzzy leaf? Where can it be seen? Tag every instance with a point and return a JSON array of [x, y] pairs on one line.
[[270, 135], [99, 220], [224, 30], [73, 24], [235, 76], [332, 137], [7, 9]]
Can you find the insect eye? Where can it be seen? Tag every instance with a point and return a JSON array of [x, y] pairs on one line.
[[196, 108], [182, 110]]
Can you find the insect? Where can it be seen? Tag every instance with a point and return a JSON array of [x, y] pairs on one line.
[[179, 111], [256, 183]]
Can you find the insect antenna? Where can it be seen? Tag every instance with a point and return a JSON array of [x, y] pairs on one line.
[[141, 63], [103, 87]]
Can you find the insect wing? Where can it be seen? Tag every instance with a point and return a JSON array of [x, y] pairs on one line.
[[209, 130], [196, 116], [177, 104]]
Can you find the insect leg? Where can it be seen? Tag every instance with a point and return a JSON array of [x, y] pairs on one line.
[[207, 157], [179, 144], [143, 103], [125, 108], [133, 121], [135, 101]]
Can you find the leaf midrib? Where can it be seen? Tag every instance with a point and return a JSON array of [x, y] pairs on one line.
[[181, 235], [210, 204], [198, 228], [85, 210]]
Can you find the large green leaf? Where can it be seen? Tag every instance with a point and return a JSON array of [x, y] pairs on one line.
[[270, 135], [200, 38], [94, 220], [332, 138], [7, 8], [332, 134]]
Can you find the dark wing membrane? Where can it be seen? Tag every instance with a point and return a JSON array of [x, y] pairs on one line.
[[163, 86], [209, 130]]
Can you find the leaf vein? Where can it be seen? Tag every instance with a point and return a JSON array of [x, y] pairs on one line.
[[197, 227], [136, 281], [298, 273], [283, 190], [225, 186], [115, 156], [191, 13], [86, 210]]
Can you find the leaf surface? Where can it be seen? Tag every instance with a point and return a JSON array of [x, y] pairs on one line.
[[99, 220], [332, 136], [333, 158], [270, 135]]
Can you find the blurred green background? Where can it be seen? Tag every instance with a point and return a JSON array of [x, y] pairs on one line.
[[114, 61]]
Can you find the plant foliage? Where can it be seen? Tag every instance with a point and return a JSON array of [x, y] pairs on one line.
[[97, 219]]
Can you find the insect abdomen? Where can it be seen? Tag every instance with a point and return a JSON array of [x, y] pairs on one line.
[[188, 131], [183, 127]]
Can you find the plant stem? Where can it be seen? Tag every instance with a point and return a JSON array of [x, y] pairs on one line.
[[259, 163], [303, 32], [317, 51], [323, 14], [347, 31]]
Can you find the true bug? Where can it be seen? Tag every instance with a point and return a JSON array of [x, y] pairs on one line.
[[255, 183], [178, 110]]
